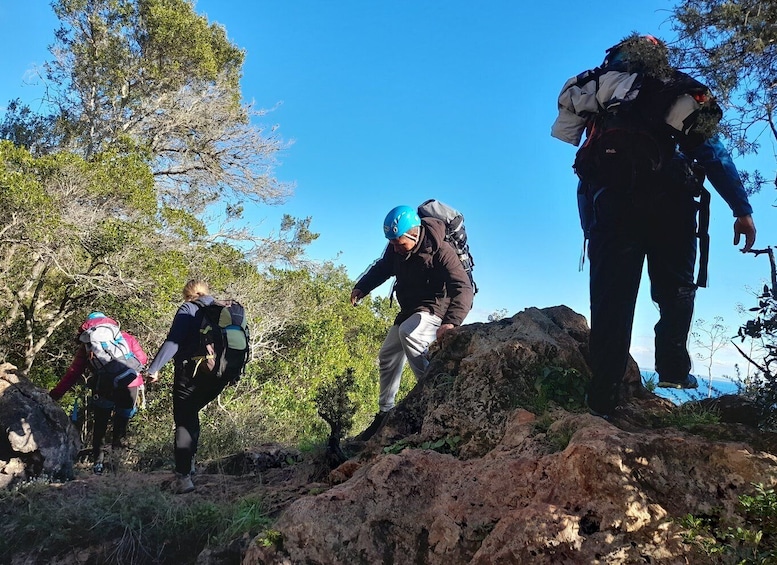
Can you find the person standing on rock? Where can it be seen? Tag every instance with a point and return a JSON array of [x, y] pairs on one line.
[[190, 395], [433, 291], [650, 141]]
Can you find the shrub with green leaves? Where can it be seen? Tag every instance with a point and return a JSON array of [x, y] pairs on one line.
[[562, 386], [750, 537], [761, 330], [336, 407]]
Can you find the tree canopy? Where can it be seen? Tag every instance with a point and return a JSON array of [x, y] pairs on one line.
[[134, 175], [731, 45]]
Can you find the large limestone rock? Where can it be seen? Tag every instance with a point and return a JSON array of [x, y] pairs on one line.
[[36, 437], [564, 487]]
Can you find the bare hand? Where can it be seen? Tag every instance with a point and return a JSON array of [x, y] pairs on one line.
[[744, 225], [356, 296], [153, 377], [442, 329]]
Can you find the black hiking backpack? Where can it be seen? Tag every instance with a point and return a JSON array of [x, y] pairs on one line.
[[224, 343], [455, 233], [641, 135]]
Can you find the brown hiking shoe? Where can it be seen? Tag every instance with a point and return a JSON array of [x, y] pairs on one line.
[[689, 382]]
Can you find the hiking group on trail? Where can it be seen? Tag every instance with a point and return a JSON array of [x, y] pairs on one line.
[[208, 342], [650, 143]]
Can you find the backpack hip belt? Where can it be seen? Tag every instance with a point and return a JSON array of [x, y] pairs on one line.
[[123, 375]]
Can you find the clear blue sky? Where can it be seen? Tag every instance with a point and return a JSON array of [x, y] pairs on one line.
[[392, 103]]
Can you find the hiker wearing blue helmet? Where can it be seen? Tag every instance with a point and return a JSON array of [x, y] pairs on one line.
[[433, 291]]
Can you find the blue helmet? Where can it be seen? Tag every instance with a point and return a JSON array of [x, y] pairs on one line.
[[94, 315], [399, 221]]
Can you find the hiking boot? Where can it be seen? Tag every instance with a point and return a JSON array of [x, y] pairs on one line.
[[602, 415], [688, 383], [183, 484], [380, 417], [98, 468], [600, 409]]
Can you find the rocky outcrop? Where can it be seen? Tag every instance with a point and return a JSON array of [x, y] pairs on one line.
[[37, 439], [481, 465]]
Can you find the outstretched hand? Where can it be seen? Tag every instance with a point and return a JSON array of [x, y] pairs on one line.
[[356, 296], [744, 225], [442, 329]]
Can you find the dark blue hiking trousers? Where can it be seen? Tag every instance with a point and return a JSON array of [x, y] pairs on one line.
[[651, 219]]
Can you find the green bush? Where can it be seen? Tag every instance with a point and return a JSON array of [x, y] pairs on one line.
[[562, 386], [750, 539]]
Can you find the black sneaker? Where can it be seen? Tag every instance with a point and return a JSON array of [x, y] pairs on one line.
[[380, 417], [600, 409], [601, 415], [688, 383]]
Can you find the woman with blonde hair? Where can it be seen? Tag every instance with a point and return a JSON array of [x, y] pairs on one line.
[[189, 395]]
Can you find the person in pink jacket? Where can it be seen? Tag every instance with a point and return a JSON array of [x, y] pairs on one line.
[[115, 384]]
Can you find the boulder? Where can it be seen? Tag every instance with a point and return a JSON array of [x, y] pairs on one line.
[[734, 409], [474, 467], [37, 439]]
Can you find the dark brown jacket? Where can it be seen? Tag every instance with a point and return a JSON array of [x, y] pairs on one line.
[[430, 279]]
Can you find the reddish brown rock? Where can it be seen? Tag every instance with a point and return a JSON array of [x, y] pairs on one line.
[[520, 487]]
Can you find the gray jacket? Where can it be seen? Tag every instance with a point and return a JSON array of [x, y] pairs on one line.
[[583, 96]]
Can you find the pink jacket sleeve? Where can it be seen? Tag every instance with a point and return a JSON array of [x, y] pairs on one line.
[[76, 369], [135, 348]]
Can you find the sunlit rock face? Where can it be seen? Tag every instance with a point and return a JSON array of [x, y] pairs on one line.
[[472, 468]]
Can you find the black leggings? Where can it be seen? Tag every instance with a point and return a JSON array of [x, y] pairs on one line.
[[190, 395], [122, 407]]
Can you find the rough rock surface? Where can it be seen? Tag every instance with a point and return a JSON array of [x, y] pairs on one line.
[[516, 487], [37, 438]]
